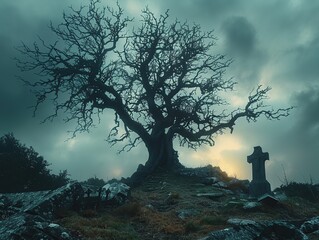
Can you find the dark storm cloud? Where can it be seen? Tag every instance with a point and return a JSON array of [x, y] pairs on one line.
[[12, 96], [301, 140], [307, 103], [17, 24], [237, 36], [303, 61], [23, 21], [240, 36], [240, 41], [201, 9]]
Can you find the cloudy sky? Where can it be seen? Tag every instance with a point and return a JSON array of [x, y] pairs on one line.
[[273, 43]]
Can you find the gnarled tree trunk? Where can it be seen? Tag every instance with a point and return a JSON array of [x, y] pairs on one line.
[[161, 156]]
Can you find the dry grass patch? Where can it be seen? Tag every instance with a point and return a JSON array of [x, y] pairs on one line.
[[165, 222], [104, 227], [130, 209]]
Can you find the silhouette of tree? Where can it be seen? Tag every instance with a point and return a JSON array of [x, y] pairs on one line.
[[22, 169], [94, 181], [162, 80]]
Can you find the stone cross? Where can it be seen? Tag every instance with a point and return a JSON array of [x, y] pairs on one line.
[[259, 185]]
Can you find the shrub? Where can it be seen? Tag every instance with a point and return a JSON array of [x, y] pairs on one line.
[[94, 181], [22, 169], [239, 185], [172, 198], [89, 213], [191, 227], [303, 190]]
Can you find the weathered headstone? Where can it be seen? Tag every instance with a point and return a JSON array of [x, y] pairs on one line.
[[259, 185]]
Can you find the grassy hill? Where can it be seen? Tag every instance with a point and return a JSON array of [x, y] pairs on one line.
[[169, 206]]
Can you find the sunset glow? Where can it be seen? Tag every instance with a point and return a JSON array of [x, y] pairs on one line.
[[228, 153]]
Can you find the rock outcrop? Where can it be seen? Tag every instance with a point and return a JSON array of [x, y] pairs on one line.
[[244, 229], [215, 177], [30, 215], [44, 203], [115, 192], [25, 226], [311, 225]]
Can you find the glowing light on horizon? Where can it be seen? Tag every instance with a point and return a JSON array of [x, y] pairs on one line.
[[117, 172], [226, 154]]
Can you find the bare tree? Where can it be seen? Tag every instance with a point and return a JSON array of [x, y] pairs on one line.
[[162, 81]]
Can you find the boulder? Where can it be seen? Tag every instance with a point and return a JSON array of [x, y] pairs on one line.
[[25, 226], [244, 229], [243, 233], [251, 205], [186, 213], [29, 215], [240, 186], [204, 173], [115, 192], [90, 190], [220, 184], [241, 222], [314, 235], [212, 195], [209, 180], [311, 225]]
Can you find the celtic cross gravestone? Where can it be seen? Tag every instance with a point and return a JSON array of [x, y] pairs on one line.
[[259, 185]]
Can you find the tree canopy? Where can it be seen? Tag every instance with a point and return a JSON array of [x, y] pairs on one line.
[[22, 169], [162, 80]]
